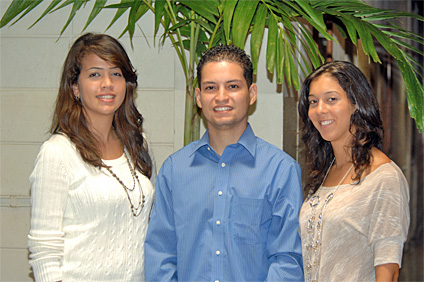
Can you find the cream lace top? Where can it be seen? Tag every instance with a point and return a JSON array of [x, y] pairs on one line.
[[364, 225]]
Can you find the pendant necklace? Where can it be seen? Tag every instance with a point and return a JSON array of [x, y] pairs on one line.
[[134, 210], [314, 230]]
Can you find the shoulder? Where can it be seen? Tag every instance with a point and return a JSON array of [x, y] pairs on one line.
[[388, 172], [378, 159], [265, 150], [57, 143], [185, 151], [182, 155], [382, 167], [59, 148], [276, 164], [387, 179]]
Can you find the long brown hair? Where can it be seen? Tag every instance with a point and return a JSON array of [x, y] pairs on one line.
[[69, 116], [365, 120]]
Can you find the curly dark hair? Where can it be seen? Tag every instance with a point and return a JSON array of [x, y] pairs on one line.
[[69, 118], [228, 53], [365, 123]]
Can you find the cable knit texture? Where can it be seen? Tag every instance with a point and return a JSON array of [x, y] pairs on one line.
[[82, 228]]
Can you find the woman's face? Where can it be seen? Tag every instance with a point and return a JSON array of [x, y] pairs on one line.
[[330, 109], [101, 87]]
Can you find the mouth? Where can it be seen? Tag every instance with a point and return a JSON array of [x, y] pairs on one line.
[[326, 122], [106, 96], [222, 109]]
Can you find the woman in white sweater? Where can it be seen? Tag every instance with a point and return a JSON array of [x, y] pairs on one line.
[[355, 219], [91, 188]]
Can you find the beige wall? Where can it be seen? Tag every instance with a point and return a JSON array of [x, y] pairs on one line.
[[31, 62]]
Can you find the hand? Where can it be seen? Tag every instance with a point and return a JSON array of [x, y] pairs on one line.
[[387, 272]]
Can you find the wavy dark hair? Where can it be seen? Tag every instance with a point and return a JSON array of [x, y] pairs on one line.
[[227, 53], [69, 116], [365, 123]]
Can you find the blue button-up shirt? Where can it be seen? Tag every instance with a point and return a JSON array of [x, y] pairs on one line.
[[226, 218]]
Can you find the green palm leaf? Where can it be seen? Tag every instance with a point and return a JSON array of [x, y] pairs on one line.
[[257, 35], [228, 8], [242, 20], [121, 8]]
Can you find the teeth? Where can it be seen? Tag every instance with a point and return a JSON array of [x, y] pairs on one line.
[[327, 122], [222, 109], [106, 96]]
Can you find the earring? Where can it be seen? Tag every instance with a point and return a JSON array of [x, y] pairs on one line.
[[77, 98]]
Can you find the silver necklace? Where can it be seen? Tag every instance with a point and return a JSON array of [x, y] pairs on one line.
[[313, 245], [134, 210]]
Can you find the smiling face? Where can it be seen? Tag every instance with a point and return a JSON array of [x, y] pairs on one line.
[[100, 86], [330, 109], [224, 96]]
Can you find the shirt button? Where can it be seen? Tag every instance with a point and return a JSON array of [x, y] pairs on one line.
[[209, 149], [216, 280], [218, 222], [220, 193], [218, 253], [223, 164]]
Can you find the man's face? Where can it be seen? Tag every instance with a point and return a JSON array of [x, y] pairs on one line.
[[224, 96]]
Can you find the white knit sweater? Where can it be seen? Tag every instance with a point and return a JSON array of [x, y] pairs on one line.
[[82, 228]]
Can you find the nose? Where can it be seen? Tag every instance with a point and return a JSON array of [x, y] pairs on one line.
[[221, 95], [321, 107], [107, 82]]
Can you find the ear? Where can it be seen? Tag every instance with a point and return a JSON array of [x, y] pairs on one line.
[[75, 90], [253, 92], [199, 103], [354, 108]]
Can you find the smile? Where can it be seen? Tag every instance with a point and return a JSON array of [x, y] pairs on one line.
[[106, 96], [221, 109], [326, 122]]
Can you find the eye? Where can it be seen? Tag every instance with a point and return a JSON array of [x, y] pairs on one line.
[[233, 86], [332, 99], [117, 74], [94, 74], [209, 88], [312, 101]]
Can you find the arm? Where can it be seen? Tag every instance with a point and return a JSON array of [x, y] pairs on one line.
[[284, 245], [160, 247], [49, 191], [389, 225], [387, 272]]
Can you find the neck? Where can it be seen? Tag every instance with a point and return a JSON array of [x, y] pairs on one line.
[[220, 139], [102, 132], [342, 154], [342, 159], [109, 144]]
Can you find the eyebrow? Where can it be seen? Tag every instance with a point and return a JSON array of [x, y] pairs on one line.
[[325, 93], [208, 82], [98, 68], [229, 81]]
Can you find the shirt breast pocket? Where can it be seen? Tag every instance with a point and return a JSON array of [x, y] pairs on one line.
[[246, 217]]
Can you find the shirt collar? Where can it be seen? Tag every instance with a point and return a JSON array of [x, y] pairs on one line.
[[247, 140]]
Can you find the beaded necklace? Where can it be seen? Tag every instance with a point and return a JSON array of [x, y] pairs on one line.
[[313, 245], [134, 210]]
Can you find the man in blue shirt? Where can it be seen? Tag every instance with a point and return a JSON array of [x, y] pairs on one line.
[[227, 205]]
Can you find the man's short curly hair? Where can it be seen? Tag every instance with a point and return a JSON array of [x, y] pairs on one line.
[[228, 53]]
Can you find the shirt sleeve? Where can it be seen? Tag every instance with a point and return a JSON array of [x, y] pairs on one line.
[[49, 192], [161, 242], [389, 220], [284, 245]]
